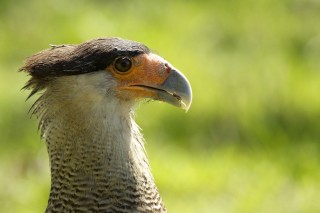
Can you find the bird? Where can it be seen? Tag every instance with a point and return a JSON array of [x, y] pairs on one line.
[[87, 95]]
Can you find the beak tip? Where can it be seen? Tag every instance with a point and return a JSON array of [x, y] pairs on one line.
[[186, 99], [186, 109], [186, 102], [180, 89]]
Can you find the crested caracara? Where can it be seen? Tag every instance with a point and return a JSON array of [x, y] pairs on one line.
[[88, 93]]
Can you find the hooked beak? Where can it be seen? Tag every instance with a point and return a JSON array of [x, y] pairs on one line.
[[153, 77], [175, 90]]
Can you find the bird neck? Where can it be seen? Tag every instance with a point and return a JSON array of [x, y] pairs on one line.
[[97, 160]]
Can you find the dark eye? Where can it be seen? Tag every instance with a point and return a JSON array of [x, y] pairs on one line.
[[123, 64]]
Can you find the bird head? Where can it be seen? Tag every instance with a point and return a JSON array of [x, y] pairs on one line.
[[108, 67]]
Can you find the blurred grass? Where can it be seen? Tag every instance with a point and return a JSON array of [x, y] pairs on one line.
[[250, 142]]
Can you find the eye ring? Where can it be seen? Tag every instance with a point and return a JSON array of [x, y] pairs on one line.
[[122, 64]]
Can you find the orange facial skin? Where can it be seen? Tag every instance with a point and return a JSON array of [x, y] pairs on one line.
[[144, 78]]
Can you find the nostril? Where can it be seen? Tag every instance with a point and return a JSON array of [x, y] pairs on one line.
[[168, 69]]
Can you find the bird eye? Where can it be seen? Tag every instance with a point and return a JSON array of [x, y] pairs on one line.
[[123, 64]]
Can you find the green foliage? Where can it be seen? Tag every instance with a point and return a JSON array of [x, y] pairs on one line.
[[250, 142]]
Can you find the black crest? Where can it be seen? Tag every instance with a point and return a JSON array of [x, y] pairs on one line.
[[90, 56]]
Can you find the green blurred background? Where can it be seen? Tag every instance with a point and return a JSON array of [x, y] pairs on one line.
[[251, 140]]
